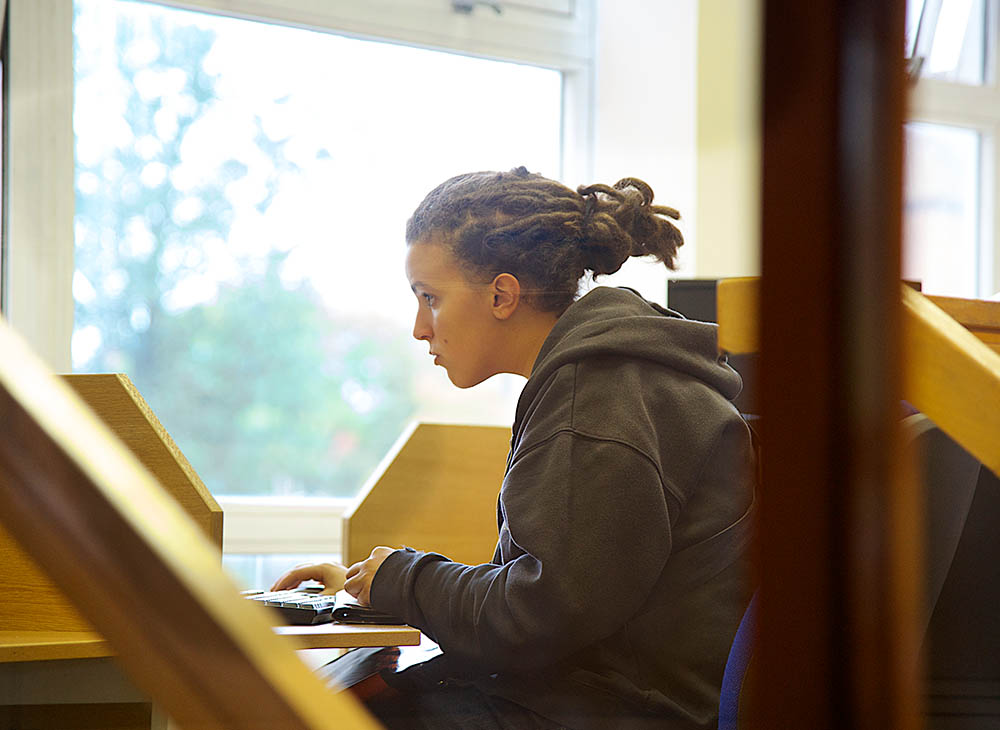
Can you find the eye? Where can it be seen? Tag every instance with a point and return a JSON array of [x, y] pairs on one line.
[[429, 298]]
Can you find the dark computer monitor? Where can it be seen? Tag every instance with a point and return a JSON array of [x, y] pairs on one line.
[[695, 299]]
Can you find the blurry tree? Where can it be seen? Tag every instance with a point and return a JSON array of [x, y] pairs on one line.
[[262, 388]]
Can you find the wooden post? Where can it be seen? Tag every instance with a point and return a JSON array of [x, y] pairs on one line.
[[838, 588]]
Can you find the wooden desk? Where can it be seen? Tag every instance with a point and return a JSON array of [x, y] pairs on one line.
[[24, 646], [348, 636], [52, 677]]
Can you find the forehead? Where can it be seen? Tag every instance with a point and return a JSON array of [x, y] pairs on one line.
[[432, 264]]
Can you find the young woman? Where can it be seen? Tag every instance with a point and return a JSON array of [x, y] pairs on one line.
[[620, 573]]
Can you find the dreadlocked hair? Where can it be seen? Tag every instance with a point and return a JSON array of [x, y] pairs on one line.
[[542, 232]]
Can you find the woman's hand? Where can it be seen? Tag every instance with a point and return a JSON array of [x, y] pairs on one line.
[[360, 575], [331, 575]]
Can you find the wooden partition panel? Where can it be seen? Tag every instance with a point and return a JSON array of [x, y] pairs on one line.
[[29, 600], [139, 570], [436, 490], [738, 314], [117, 402]]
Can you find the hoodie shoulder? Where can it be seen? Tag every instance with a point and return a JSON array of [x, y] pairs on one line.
[[618, 323]]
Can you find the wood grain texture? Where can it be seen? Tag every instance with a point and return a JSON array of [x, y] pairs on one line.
[[952, 377], [436, 490], [348, 636], [28, 597], [30, 646], [980, 317], [116, 400], [140, 570]]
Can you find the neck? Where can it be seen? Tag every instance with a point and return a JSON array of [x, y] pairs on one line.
[[527, 338]]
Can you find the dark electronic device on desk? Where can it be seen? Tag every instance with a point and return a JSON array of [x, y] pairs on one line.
[[310, 606], [695, 299]]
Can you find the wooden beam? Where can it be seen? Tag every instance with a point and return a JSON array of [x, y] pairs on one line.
[[838, 638], [953, 377], [979, 316]]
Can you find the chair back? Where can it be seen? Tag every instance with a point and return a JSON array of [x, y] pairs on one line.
[[961, 623], [734, 679]]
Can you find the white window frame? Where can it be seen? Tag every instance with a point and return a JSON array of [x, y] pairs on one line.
[[267, 525], [977, 108], [40, 168]]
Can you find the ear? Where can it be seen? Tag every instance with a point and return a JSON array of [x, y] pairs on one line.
[[506, 291]]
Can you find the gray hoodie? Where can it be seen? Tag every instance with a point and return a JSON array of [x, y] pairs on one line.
[[620, 573]]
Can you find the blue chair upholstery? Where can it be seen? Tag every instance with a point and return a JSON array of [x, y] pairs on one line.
[[733, 679]]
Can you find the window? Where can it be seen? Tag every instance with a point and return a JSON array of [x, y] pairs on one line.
[[239, 244], [653, 141], [948, 39], [239, 227], [950, 234], [941, 209]]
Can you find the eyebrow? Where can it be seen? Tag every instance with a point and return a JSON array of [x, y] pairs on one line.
[[414, 285]]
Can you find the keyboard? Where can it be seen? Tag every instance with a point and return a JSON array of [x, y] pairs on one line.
[[309, 606], [299, 607]]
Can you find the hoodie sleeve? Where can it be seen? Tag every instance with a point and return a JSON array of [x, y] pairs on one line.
[[586, 537]]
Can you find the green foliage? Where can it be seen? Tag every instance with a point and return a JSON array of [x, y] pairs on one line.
[[274, 397], [262, 388]]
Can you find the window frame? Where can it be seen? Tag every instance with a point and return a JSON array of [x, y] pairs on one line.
[[975, 107]]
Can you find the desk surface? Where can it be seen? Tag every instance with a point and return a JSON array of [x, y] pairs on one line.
[[23, 646]]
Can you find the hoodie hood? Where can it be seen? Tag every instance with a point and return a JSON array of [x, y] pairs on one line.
[[618, 322]]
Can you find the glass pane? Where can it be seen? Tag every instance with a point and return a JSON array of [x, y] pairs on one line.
[[952, 39], [941, 209], [913, 10], [242, 192]]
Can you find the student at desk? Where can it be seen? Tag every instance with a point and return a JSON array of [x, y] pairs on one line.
[[620, 574]]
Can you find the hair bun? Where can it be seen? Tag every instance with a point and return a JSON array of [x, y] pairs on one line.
[[621, 221]]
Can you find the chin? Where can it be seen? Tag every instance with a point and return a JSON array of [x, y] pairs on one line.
[[465, 381]]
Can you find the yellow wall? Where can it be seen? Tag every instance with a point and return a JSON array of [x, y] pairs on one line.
[[728, 132]]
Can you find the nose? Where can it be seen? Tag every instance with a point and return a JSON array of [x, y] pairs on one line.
[[422, 326]]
